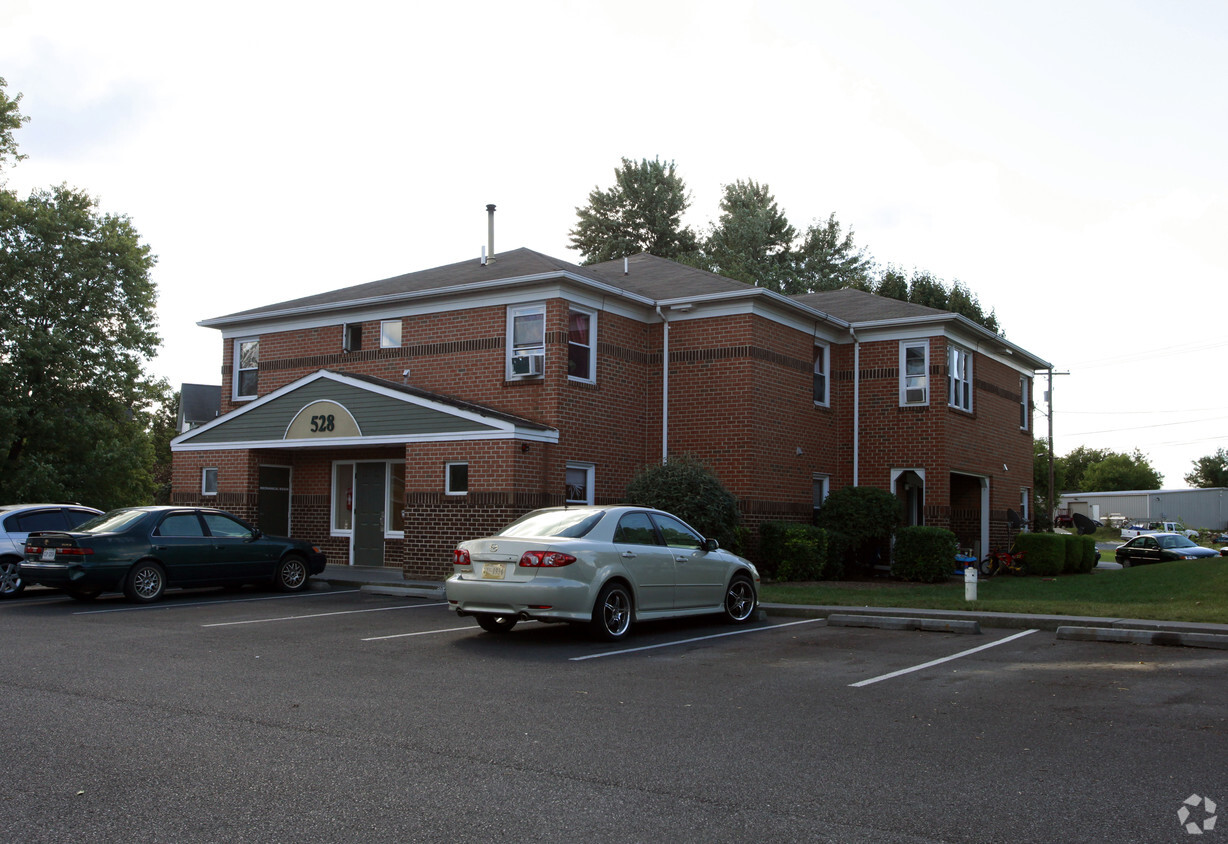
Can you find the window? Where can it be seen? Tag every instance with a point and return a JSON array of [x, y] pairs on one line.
[[1025, 504], [390, 334], [914, 373], [38, 520], [396, 497], [181, 524], [208, 481], [456, 478], [1025, 403], [246, 364], [222, 525], [636, 529], [675, 533], [343, 496], [526, 341], [581, 333], [351, 338], [959, 378], [820, 487], [820, 374], [579, 483]]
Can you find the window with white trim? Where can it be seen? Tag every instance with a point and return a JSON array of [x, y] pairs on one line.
[[526, 341], [343, 497], [390, 334], [1025, 403], [581, 345], [396, 498], [914, 373], [246, 368], [959, 378], [351, 337], [456, 479], [820, 486], [208, 481], [1025, 504], [579, 482], [822, 358]]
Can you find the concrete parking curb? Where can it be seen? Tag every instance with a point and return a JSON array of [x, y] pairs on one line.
[[1144, 637], [937, 625]]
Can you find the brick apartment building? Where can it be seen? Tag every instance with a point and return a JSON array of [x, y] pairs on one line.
[[390, 420]]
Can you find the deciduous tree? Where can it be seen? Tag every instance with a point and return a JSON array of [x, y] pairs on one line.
[[1210, 471], [752, 240]]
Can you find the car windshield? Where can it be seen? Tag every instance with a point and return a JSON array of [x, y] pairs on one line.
[[565, 523], [1175, 542], [110, 522]]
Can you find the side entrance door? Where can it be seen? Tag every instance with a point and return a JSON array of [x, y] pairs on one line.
[[369, 484], [273, 501]]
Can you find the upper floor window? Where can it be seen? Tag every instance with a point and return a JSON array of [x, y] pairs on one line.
[[914, 373], [390, 334], [581, 340], [526, 344], [246, 363], [1025, 403], [821, 362], [351, 338], [959, 378]]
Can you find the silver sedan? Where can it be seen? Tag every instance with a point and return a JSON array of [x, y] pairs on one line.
[[605, 567]]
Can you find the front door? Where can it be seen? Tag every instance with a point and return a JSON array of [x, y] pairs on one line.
[[369, 485], [273, 502]]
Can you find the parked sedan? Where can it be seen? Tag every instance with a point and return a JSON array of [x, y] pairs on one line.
[[1159, 548], [605, 567], [143, 551], [16, 523]]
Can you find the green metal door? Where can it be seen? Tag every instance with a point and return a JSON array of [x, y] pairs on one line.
[[369, 513]]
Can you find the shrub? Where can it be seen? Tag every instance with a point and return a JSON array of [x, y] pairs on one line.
[[1088, 562], [1074, 554], [796, 551], [1043, 553], [866, 516], [924, 554], [687, 488]]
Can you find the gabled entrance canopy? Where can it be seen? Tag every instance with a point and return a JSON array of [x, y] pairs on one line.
[[328, 409]]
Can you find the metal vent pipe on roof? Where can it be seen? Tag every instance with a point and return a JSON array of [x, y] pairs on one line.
[[490, 233]]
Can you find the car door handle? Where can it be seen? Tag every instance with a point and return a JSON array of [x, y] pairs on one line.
[[159, 547], [681, 558], [628, 555]]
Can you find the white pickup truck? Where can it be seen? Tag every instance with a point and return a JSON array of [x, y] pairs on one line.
[[1139, 528]]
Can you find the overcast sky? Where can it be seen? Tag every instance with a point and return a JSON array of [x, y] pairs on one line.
[[1064, 160]]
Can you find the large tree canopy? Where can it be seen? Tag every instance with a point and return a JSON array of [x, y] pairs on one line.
[[752, 241], [1210, 471], [78, 326], [11, 119], [642, 212]]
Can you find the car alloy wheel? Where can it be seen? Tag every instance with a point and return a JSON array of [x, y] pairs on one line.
[[739, 599], [146, 583], [292, 574], [612, 613], [10, 579]]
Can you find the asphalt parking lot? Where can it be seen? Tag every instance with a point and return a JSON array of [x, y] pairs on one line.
[[339, 715]]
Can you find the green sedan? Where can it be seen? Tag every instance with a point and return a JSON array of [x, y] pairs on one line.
[[143, 551]]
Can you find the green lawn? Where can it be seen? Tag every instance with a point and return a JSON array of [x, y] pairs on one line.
[[1191, 590]]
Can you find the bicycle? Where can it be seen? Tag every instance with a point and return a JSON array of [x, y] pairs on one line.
[[1004, 562]]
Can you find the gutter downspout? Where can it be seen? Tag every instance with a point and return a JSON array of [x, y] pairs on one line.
[[664, 387], [856, 403]]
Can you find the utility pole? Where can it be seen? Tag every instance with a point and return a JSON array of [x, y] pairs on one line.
[[1049, 402]]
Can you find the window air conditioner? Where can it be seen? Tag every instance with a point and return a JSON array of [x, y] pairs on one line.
[[527, 364]]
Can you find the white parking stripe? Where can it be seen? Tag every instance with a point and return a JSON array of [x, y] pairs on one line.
[[317, 615], [696, 639], [420, 633], [940, 661], [176, 604]]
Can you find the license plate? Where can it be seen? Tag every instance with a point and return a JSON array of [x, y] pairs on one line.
[[48, 555], [493, 571]]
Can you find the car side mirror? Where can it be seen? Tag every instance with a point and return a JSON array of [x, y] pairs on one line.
[[256, 534], [710, 545]]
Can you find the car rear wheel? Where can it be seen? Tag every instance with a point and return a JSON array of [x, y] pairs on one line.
[[145, 583], [612, 613], [739, 599], [492, 623], [1125, 562], [292, 574], [84, 593], [11, 584]]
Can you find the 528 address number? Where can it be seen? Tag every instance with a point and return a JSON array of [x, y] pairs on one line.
[[323, 424]]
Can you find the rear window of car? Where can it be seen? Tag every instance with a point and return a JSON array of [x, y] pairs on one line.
[[570, 524], [113, 521]]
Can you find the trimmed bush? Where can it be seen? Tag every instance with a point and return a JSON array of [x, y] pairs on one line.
[[1043, 553], [866, 516], [794, 551], [924, 554], [690, 490], [1088, 561], [1074, 554]]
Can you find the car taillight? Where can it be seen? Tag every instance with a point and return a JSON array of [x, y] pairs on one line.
[[460, 557], [545, 559], [67, 552]]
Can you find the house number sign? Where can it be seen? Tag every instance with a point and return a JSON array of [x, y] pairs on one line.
[[323, 420]]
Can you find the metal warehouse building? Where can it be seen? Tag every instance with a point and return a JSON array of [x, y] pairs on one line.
[[1206, 509]]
